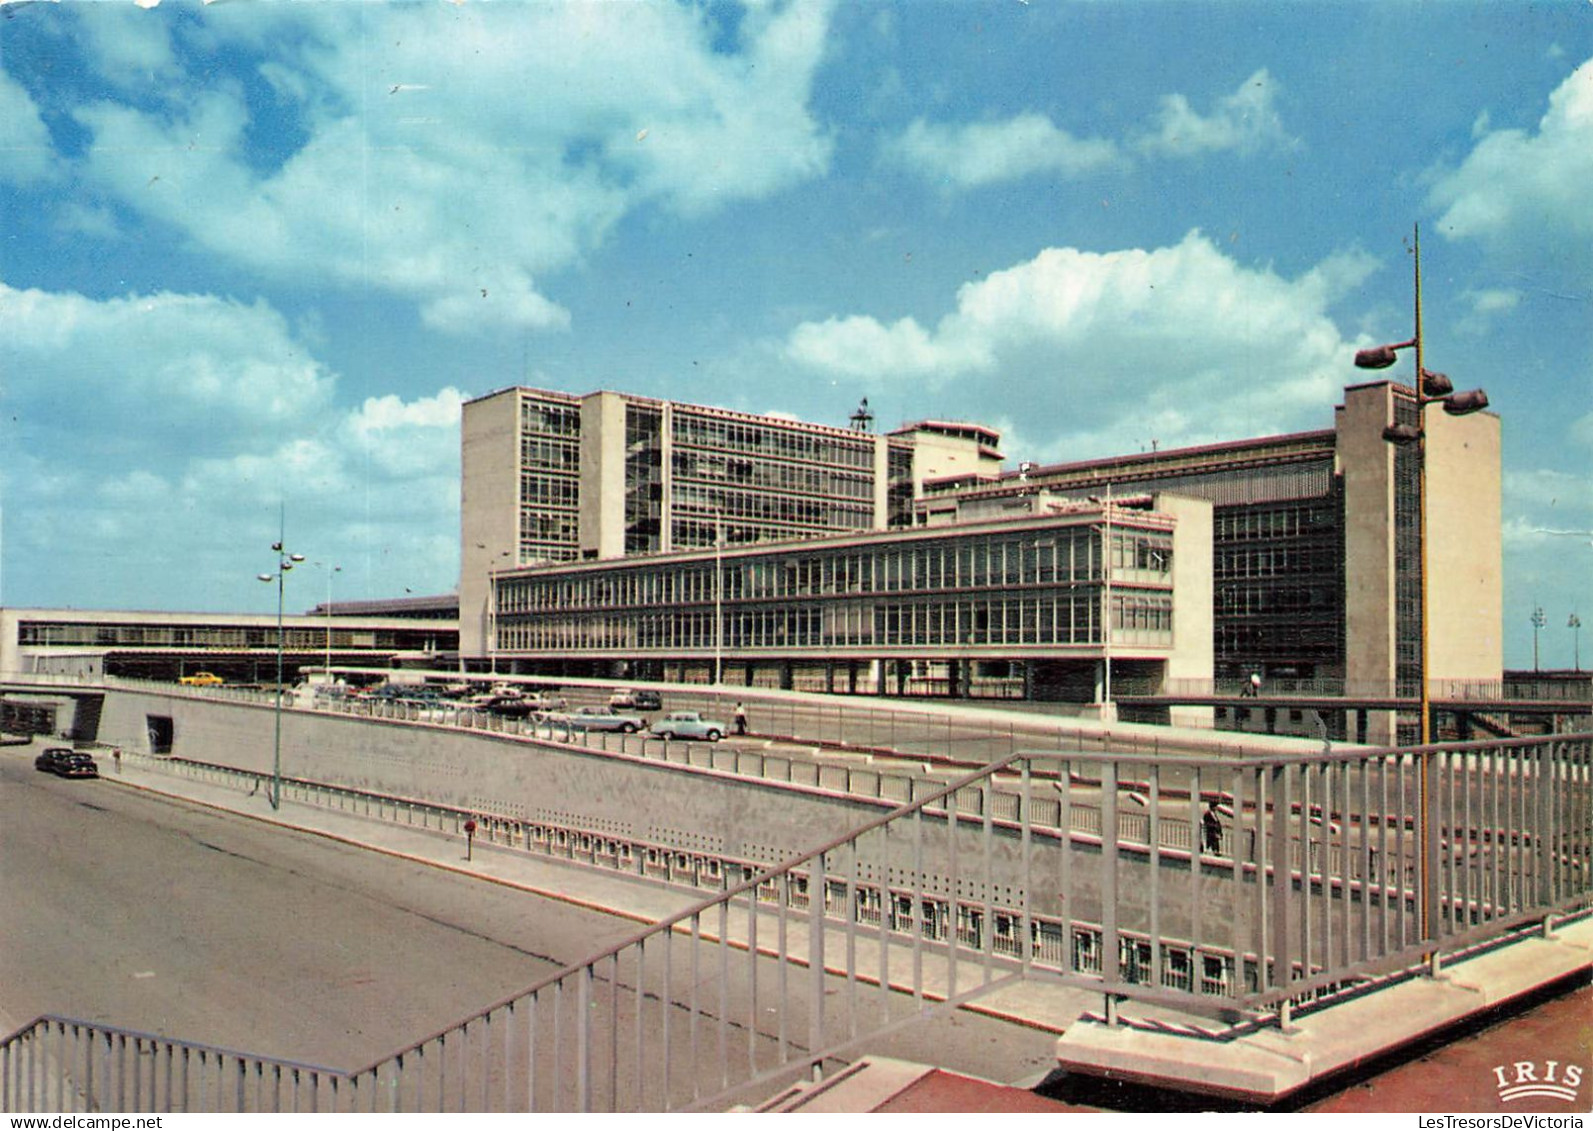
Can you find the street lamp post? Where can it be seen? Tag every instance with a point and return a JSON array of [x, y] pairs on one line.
[[330, 571], [1431, 388], [1105, 502], [285, 562], [492, 612], [719, 597], [1575, 625], [1106, 625], [1538, 621]]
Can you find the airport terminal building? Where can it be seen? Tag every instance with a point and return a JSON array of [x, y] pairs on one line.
[[240, 648], [623, 536]]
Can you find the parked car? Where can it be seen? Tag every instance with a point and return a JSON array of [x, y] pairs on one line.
[[66, 763], [202, 679], [688, 724], [627, 700], [510, 706], [601, 718]]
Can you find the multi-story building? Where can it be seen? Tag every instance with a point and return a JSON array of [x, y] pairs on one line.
[[1009, 605], [1316, 547], [1312, 570], [554, 477]]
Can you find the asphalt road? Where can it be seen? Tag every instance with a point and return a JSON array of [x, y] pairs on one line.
[[136, 911], [152, 915]]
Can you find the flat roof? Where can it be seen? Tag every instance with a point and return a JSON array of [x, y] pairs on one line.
[[213, 620], [444, 606], [766, 418]]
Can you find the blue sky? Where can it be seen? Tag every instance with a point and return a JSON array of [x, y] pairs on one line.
[[255, 254]]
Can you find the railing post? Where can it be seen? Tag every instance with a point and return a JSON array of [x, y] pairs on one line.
[[1282, 881], [583, 1029], [1431, 827], [1111, 945], [818, 892]]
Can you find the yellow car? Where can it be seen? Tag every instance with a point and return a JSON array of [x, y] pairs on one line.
[[202, 679]]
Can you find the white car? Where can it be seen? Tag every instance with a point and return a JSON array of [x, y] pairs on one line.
[[601, 718], [688, 724]]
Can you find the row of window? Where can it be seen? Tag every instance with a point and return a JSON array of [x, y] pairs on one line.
[[1238, 524], [550, 490], [1281, 560], [781, 515], [772, 475], [39, 633], [550, 454], [1274, 600], [1070, 618], [548, 418], [970, 562], [779, 440]]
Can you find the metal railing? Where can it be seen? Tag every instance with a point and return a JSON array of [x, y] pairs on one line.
[[63, 1065], [1309, 874], [1481, 691]]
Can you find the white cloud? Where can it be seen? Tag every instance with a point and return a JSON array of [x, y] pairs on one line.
[[1487, 305], [26, 155], [458, 155], [862, 347], [1553, 498], [1494, 301], [986, 152], [981, 153], [1245, 121], [1528, 190], [1548, 545], [408, 438], [1099, 352], [127, 46], [147, 436], [186, 361]]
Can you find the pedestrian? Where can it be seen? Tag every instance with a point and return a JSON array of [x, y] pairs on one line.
[[116, 756], [1253, 686], [741, 719], [1211, 826]]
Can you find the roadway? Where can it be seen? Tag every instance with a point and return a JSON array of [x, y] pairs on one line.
[[139, 911]]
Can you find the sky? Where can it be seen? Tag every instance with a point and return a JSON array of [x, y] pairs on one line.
[[255, 255]]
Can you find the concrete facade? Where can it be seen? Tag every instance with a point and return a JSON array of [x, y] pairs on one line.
[[489, 511], [1465, 557], [1193, 612], [697, 808], [1464, 554]]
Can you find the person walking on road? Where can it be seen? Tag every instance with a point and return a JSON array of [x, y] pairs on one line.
[[741, 719]]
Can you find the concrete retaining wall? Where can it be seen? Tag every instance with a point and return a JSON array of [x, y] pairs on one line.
[[697, 801]]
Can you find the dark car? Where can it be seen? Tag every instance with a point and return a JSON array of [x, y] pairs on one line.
[[512, 706], [66, 763]]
